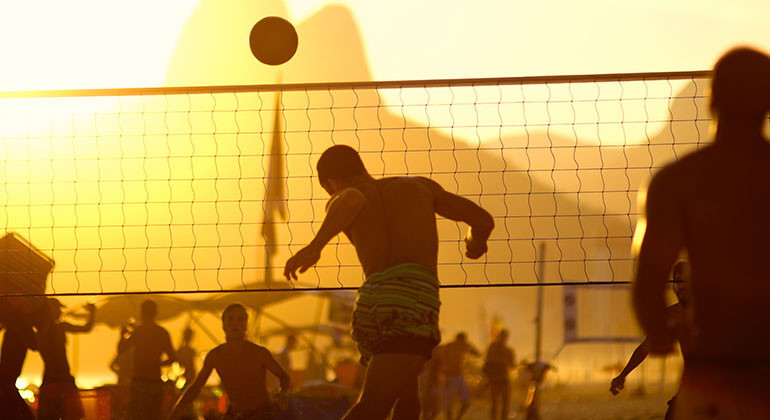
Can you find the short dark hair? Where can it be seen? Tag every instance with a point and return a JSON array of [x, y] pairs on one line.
[[339, 162], [741, 84], [149, 309], [232, 307]]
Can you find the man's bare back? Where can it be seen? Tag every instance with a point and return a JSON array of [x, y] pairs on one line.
[[719, 199], [397, 223]]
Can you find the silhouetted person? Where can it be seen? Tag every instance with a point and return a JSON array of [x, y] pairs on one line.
[[499, 361], [123, 363], [453, 358], [150, 342], [19, 336], [535, 372], [715, 205], [187, 357], [59, 398], [241, 365], [678, 317], [123, 366], [392, 225]]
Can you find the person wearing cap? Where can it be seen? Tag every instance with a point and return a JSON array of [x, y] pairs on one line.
[[59, 397]]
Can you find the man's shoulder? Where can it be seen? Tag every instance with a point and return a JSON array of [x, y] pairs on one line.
[[687, 165], [153, 331], [417, 181]]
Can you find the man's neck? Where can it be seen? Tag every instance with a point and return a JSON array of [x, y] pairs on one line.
[[353, 180], [738, 131]]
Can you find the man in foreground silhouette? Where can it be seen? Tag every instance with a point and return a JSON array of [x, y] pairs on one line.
[[715, 204], [392, 224]]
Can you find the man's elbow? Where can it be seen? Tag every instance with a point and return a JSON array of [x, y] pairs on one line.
[[486, 223]]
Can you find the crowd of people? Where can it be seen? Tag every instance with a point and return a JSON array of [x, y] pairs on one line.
[[711, 206]]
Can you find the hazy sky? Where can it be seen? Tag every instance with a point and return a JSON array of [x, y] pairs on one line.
[[97, 43]]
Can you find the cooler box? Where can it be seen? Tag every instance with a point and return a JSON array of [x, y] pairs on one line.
[[23, 271]]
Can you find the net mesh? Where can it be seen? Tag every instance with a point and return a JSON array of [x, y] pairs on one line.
[[209, 189]]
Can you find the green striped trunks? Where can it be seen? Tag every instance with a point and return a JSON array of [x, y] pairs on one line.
[[397, 312]]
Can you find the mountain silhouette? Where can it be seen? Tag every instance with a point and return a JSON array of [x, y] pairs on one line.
[[587, 233]]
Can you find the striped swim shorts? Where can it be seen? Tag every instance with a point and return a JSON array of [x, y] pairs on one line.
[[397, 312]]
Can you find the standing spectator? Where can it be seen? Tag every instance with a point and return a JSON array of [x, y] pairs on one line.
[[498, 363], [150, 342]]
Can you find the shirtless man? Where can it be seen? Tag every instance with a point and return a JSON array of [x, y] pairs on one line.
[[150, 342], [453, 357], [498, 363], [715, 204], [241, 365], [59, 397], [392, 224], [678, 316]]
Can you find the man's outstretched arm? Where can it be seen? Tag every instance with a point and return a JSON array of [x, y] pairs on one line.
[[341, 212], [193, 390], [658, 240], [637, 357], [91, 308], [460, 209]]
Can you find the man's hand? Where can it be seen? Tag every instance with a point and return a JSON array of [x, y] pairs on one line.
[[617, 384], [474, 249], [302, 260], [281, 400], [91, 308]]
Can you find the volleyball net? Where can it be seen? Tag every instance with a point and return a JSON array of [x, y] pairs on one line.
[[213, 188]]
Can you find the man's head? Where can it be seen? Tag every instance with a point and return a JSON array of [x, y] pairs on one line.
[[234, 321], [740, 88], [502, 336], [187, 335], [338, 163], [149, 310], [461, 337]]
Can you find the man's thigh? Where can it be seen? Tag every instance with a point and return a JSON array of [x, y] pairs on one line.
[[387, 375]]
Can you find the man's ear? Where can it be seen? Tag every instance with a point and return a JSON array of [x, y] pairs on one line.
[[335, 185]]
